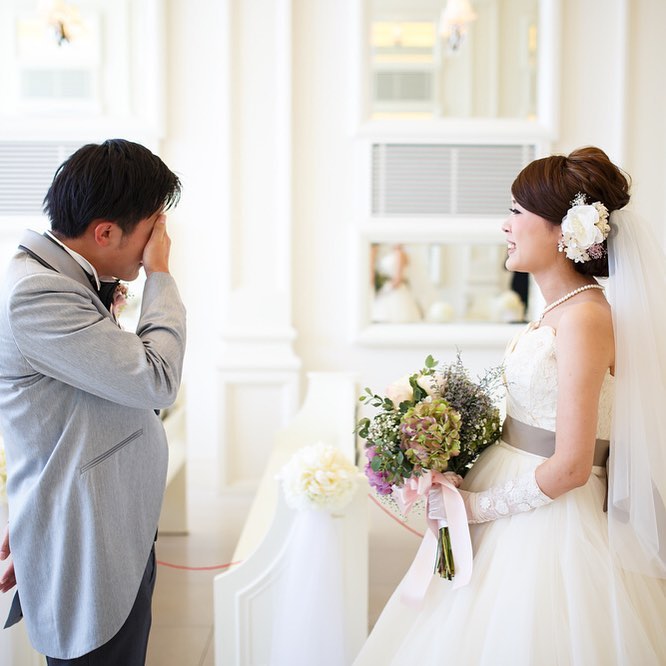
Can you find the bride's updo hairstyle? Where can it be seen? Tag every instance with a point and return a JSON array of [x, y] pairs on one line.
[[546, 187]]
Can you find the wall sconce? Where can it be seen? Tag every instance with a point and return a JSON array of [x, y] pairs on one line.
[[454, 22], [63, 18]]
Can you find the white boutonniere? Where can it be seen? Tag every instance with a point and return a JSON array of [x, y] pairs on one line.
[[119, 299]]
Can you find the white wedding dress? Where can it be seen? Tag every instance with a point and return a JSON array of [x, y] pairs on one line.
[[544, 590]]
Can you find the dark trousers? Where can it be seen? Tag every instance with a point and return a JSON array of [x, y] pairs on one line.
[[128, 646]]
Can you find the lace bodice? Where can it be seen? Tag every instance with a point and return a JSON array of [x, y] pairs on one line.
[[531, 378]]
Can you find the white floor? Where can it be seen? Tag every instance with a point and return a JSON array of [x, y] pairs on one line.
[[182, 633]]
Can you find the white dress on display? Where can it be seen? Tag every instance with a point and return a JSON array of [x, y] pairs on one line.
[[393, 303], [545, 590]]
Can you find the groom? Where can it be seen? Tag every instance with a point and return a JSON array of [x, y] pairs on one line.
[[86, 451]]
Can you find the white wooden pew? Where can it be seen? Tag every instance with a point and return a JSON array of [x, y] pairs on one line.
[[244, 596]]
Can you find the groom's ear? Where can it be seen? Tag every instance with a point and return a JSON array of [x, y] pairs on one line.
[[104, 232]]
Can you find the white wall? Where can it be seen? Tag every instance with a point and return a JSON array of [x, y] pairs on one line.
[[591, 112], [646, 110], [196, 147], [592, 95], [229, 135], [613, 92], [325, 212], [612, 95]]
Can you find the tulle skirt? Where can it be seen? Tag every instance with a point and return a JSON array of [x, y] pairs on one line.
[[544, 591]]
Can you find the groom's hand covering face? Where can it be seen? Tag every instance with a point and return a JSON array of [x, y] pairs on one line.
[[157, 249], [146, 245]]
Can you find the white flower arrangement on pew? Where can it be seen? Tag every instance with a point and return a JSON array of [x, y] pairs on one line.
[[319, 476], [318, 481]]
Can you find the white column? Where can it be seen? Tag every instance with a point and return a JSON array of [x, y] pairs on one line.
[[229, 138], [257, 370]]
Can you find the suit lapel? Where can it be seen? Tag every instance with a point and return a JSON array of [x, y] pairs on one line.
[[52, 256]]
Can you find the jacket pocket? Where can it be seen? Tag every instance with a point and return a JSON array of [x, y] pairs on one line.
[[107, 454]]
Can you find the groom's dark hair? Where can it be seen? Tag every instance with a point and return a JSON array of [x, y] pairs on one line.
[[117, 180]]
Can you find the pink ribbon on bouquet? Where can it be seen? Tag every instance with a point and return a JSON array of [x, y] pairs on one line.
[[415, 583]]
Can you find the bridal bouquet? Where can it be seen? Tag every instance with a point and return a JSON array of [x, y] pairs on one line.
[[435, 421]]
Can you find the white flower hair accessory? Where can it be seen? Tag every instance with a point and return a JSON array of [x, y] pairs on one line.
[[319, 476], [584, 229]]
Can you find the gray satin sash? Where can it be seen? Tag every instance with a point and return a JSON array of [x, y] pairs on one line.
[[542, 442]]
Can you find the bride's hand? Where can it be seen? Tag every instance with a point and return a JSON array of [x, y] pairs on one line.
[[454, 478], [436, 507]]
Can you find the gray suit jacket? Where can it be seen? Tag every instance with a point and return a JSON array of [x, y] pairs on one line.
[[86, 453]]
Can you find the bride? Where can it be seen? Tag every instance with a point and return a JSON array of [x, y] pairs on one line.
[[557, 579]]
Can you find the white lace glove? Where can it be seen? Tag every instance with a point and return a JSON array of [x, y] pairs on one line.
[[516, 495]]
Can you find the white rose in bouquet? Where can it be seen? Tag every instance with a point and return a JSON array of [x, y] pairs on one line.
[[401, 390]]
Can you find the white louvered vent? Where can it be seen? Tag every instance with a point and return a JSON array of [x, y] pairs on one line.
[[444, 179], [26, 171]]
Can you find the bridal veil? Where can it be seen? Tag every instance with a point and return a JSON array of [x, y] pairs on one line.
[[637, 464]]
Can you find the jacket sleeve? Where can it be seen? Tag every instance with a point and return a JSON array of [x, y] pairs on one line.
[[61, 334]]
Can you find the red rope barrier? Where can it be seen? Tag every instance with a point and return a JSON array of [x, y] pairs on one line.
[[211, 568], [397, 520], [231, 564]]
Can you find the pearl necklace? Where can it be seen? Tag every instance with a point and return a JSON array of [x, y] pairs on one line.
[[566, 297]]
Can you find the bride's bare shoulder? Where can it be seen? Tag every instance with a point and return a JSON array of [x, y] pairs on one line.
[[593, 315], [585, 330]]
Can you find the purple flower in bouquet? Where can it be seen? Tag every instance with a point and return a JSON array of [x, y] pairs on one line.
[[379, 479]]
